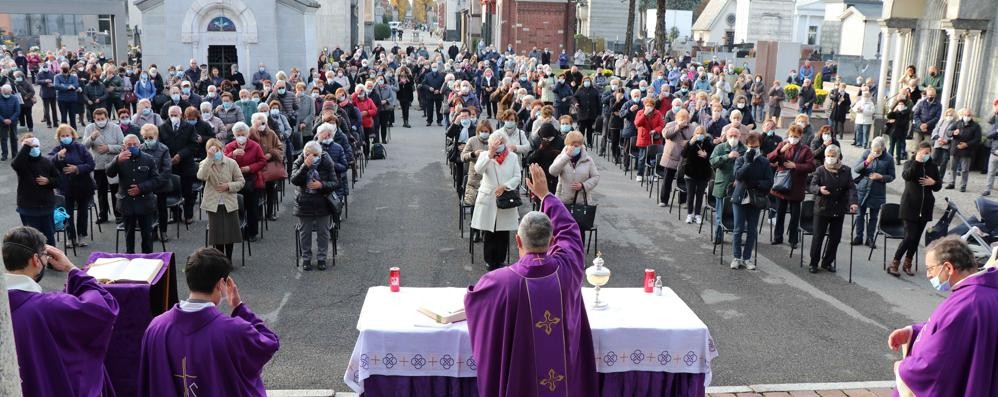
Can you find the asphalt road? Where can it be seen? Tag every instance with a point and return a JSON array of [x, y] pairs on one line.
[[775, 325]]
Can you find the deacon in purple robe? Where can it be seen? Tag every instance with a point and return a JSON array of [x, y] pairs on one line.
[[196, 350], [955, 353], [60, 338], [529, 331]]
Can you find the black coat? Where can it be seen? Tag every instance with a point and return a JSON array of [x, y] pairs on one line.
[[841, 186], [308, 203], [29, 193], [902, 121], [182, 141], [697, 167], [917, 201], [142, 171], [589, 103], [970, 133]]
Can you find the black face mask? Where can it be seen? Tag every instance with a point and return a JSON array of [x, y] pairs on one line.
[[38, 277]]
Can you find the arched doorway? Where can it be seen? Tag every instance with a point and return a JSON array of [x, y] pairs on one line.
[[220, 32]]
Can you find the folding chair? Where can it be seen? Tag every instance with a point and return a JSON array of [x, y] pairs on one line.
[[463, 210], [60, 229], [120, 228], [890, 226], [805, 227], [175, 203], [727, 226]]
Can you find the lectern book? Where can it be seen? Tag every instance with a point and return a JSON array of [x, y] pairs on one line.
[[112, 270]]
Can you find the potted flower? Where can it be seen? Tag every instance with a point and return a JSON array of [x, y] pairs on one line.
[[819, 97], [792, 91]]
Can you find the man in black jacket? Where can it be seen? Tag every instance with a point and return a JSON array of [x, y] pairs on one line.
[[139, 177], [966, 136], [432, 85], [181, 137]]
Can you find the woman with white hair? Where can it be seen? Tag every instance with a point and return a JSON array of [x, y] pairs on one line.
[[222, 183], [875, 169], [500, 171], [314, 174], [863, 112], [273, 152], [834, 194], [251, 159]]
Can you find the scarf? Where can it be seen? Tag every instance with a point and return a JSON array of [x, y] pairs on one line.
[[502, 156]]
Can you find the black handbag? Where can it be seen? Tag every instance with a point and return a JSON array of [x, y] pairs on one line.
[[335, 205], [783, 181], [508, 199], [584, 214]]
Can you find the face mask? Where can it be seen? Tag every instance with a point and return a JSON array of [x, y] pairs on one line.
[[226, 105], [266, 88], [586, 84], [134, 150], [801, 125], [192, 122], [35, 151], [256, 99], [698, 138], [261, 128], [484, 136], [741, 105], [101, 124], [205, 116], [150, 144], [966, 119], [826, 137], [217, 156], [830, 161], [465, 123], [501, 148], [18, 79], [186, 91], [565, 129], [262, 70], [143, 77], [66, 140], [614, 87], [635, 98], [241, 140], [643, 89], [732, 142], [576, 152], [433, 69], [752, 152], [281, 91], [676, 109], [275, 112], [941, 286], [175, 97], [175, 119], [758, 80], [523, 78], [146, 111], [123, 120], [315, 95], [924, 158], [793, 140]]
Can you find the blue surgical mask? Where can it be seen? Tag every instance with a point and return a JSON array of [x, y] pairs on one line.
[[509, 125], [565, 128], [466, 123], [217, 156], [577, 151], [192, 122], [501, 148], [150, 144], [676, 109], [35, 151], [484, 136], [186, 91], [941, 286], [146, 111], [175, 97], [327, 141], [66, 140], [134, 150], [262, 70], [275, 112], [281, 91], [226, 105]]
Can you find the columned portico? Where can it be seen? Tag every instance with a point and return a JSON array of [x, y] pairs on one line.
[[954, 41]]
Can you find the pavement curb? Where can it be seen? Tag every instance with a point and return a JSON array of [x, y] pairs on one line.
[[789, 387]]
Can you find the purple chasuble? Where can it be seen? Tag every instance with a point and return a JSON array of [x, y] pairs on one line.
[[510, 311], [61, 338], [205, 354], [955, 353]]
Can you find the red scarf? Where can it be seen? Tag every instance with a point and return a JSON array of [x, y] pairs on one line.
[[502, 156]]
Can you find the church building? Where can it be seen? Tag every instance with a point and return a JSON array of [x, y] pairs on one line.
[[278, 33]]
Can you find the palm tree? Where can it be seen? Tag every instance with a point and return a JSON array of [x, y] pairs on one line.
[[660, 26], [629, 36]]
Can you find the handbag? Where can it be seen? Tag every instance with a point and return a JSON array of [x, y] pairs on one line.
[[130, 97], [273, 171], [335, 206], [59, 217], [783, 181], [584, 214], [756, 100], [755, 198], [508, 199]]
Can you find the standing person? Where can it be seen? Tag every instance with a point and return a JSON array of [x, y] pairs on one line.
[[806, 98], [863, 118], [140, 179], [722, 161], [697, 172], [10, 111], [993, 148], [835, 193], [26, 90], [273, 152], [67, 87], [841, 105], [314, 174], [550, 271], [251, 160], [752, 177], [405, 94], [432, 83], [500, 170], [967, 315], [588, 98], [677, 134], [386, 108], [219, 354], [898, 121], [921, 179], [775, 102], [758, 93], [650, 124], [160, 154], [794, 156], [941, 139], [925, 115], [875, 169], [104, 140], [576, 171], [75, 183], [222, 182], [95, 96], [37, 179], [61, 337], [966, 136], [45, 80], [180, 136]]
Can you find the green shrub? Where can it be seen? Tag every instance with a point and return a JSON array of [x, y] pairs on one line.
[[382, 31]]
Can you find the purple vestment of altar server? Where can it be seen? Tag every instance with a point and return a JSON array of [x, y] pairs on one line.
[[955, 353], [205, 353], [61, 338], [529, 331]]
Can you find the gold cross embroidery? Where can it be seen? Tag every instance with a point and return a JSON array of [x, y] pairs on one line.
[[552, 380], [548, 322], [184, 376]]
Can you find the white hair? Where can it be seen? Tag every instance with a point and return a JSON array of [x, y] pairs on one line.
[[259, 117], [240, 126], [833, 149], [205, 106], [131, 137], [878, 142], [312, 146], [535, 231], [499, 136], [325, 127]]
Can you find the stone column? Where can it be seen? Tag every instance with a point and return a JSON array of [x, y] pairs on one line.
[[10, 377], [954, 41], [885, 57], [969, 67], [900, 55]]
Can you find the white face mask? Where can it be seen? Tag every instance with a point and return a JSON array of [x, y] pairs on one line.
[[793, 140], [966, 119], [241, 140], [826, 137], [175, 120], [261, 128], [831, 161], [732, 142]]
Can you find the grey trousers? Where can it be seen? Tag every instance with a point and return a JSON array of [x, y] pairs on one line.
[[961, 167], [992, 171], [320, 226]]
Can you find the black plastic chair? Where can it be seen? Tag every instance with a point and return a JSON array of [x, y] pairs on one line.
[[198, 188], [175, 203], [334, 234], [708, 206], [463, 210], [890, 226], [120, 228], [805, 227], [727, 226], [678, 187]]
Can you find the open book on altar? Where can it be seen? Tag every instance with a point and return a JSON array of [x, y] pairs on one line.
[[111, 270], [444, 312]]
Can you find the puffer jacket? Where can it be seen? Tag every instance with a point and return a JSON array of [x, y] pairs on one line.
[[309, 203], [337, 153], [675, 140], [648, 124], [474, 178], [111, 136], [839, 184], [80, 184], [582, 171], [724, 167], [873, 194]]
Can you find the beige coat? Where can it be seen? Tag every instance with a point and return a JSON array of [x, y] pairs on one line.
[[487, 215], [215, 173], [675, 141], [474, 178], [584, 171]]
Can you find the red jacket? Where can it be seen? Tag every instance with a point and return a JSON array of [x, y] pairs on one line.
[[652, 123], [365, 105], [803, 165], [253, 158]]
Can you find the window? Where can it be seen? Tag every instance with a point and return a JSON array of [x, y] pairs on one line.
[[221, 24], [812, 35]]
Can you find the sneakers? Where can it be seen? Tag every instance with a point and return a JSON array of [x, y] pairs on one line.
[[639, 178], [736, 263], [321, 265], [750, 265], [698, 219], [661, 204], [689, 218]]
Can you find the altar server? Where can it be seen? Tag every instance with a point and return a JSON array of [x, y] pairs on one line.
[[195, 349], [61, 338], [954, 352], [529, 330]]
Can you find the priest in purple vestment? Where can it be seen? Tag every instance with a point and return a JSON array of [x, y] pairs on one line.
[[61, 338], [529, 331], [196, 350], [955, 353]]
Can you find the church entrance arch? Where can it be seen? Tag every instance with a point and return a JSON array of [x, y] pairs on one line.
[[219, 31], [222, 57]]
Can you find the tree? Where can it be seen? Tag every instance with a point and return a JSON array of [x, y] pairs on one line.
[[402, 6], [629, 36], [660, 8], [419, 10]]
